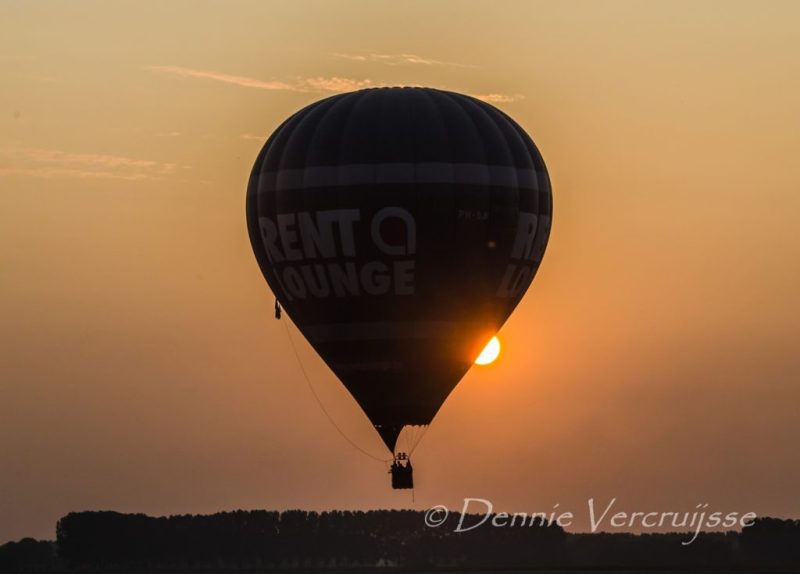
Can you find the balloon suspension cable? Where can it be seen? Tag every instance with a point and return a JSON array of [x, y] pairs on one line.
[[413, 435], [319, 401]]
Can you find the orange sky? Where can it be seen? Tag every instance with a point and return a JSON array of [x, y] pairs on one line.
[[654, 359]]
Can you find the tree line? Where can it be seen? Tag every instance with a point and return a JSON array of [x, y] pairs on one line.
[[391, 538]]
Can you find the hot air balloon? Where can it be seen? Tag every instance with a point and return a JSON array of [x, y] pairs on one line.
[[399, 228]]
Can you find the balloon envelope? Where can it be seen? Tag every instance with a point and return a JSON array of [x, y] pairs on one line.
[[399, 228]]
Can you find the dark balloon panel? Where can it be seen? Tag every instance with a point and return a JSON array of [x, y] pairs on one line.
[[399, 228]]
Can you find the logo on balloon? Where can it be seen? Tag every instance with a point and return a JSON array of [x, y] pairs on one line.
[[527, 253], [292, 239]]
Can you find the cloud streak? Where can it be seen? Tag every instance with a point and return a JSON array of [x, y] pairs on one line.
[[51, 164], [334, 84], [45, 172], [403, 59], [499, 98], [337, 84], [243, 81], [322, 84]]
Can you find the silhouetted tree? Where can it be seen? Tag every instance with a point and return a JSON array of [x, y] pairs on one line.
[[28, 555], [344, 539], [772, 542]]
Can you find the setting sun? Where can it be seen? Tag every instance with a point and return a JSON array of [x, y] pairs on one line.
[[489, 353]]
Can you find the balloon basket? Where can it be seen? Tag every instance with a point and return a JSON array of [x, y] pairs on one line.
[[402, 472]]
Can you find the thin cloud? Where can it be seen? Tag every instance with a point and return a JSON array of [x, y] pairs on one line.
[[226, 78], [321, 84], [353, 57], [93, 159], [51, 163], [59, 173], [326, 85], [336, 84], [403, 59], [252, 137], [499, 98]]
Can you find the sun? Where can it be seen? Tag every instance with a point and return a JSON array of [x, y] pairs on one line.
[[489, 353]]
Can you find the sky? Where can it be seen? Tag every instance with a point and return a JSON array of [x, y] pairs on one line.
[[653, 360]]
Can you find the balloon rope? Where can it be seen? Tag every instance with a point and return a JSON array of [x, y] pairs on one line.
[[319, 401], [418, 439]]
